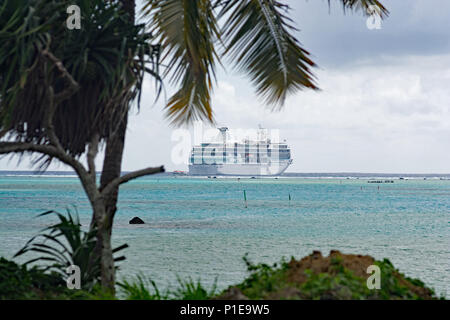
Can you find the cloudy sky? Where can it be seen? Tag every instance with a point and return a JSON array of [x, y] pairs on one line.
[[384, 104]]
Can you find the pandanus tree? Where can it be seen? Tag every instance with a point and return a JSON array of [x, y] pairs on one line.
[[65, 94]]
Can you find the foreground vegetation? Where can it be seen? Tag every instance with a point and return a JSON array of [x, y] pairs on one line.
[[338, 276], [333, 277], [19, 282]]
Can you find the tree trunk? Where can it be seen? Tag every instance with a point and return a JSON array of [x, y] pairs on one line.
[[103, 251], [112, 164], [107, 261], [103, 219]]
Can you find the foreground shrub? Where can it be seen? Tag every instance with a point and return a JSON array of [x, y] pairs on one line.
[[64, 244], [18, 282], [339, 276]]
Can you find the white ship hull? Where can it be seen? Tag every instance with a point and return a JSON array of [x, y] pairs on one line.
[[239, 169]]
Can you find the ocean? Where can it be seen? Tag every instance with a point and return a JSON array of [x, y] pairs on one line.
[[200, 227]]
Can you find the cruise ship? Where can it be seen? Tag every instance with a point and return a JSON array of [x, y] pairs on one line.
[[259, 157]]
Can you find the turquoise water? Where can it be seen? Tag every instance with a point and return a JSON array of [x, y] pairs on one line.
[[200, 227]]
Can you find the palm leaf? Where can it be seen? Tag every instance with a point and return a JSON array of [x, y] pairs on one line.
[[65, 244], [259, 39], [364, 7], [187, 31]]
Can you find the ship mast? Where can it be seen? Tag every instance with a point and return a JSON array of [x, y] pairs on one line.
[[223, 131]]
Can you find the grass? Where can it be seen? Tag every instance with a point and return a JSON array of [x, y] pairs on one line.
[[146, 289], [193, 290], [141, 289]]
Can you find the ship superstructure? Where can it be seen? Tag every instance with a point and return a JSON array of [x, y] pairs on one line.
[[258, 157]]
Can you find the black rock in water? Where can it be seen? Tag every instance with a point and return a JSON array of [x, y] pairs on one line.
[[136, 220]]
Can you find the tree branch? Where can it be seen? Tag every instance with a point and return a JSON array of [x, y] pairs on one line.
[[3, 132], [55, 152], [48, 121], [53, 100], [50, 150], [52, 103], [73, 85], [16, 147], [129, 176], [92, 153]]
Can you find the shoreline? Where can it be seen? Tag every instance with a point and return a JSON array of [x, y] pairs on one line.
[[288, 175]]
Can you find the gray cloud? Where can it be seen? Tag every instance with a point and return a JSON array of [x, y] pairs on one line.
[[415, 27]]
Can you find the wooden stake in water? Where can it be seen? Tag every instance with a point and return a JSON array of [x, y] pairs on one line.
[[245, 199], [289, 199]]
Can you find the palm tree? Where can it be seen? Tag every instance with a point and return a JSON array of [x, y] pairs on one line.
[[63, 95]]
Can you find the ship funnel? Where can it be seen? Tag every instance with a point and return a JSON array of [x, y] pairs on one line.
[[223, 131]]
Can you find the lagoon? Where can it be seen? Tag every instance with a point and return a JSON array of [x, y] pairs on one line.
[[200, 228]]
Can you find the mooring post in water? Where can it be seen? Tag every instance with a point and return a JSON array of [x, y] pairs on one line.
[[289, 199], [245, 199]]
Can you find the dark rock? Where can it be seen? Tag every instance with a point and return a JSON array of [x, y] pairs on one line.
[[136, 220]]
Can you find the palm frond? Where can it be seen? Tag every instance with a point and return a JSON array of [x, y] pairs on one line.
[[64, 244], [187, 31], [364, 7], [260, 41]]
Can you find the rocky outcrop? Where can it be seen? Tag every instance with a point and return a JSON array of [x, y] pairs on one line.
[[136, 220], [339, 276]]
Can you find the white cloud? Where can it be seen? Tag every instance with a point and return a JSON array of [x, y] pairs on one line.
[[393, 117]]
